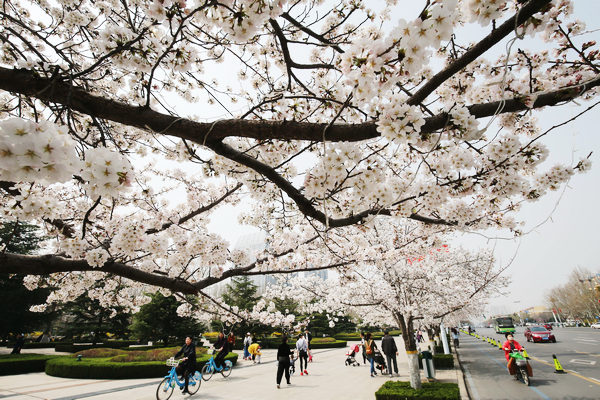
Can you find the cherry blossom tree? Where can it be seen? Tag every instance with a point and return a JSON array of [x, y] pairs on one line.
[[337, 115], [403, 279]]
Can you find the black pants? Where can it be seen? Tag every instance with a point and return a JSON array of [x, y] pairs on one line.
[[219, 358], [283, 366], [303, 356], [186, 369], [391, 359]]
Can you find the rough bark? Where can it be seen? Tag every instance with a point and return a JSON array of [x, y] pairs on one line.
[[410, 345], [28, 83]]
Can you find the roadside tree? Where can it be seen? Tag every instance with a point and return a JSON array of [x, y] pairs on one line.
[[340, 114]]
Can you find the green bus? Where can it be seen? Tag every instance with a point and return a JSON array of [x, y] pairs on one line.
[[504, 325]]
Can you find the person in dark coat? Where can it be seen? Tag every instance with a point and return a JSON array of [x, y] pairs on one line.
[[283, 358], [222, 346], [388, 346], [18, 344], [188, 365]]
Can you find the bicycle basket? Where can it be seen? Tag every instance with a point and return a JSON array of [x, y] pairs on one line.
[[521, 363], [171, 362]]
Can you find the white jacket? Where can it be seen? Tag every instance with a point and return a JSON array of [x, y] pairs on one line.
[[302, 345]]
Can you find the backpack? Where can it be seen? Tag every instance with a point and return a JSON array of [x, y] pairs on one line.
[[368, 348]]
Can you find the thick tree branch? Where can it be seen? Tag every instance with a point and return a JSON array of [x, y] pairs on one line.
[[49, 264], [481, 47], [28, 83]]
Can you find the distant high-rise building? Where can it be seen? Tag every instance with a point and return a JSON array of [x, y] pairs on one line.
[[254, 244]]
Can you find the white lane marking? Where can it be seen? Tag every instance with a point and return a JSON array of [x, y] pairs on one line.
[[583, 362], [474, 394]]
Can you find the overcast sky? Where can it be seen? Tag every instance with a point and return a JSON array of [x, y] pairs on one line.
[[567, 237]]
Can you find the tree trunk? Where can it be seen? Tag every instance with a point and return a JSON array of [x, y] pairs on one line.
[[408, 335], [97, 333]]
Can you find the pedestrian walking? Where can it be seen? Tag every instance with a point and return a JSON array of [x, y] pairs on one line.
[[247, 343], [388, 346], [370, 348], [420, 338], [454, 333], [302, 347], [362, 345], [284, 353], [308, 338]]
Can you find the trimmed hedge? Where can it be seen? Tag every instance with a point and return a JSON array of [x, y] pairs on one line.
[[34, 345], [69, 347], [355, 336], [95, 368], [328, 345], [396, 390], [14, 364], [440, 361]]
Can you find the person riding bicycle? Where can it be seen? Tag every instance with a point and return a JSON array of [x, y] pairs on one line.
[[510, 346], [222, 346], [188, 365]]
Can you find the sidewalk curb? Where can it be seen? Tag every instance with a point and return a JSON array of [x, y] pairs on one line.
[[460, 376]]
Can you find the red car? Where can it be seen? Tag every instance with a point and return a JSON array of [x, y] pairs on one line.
[[547, 326], [539, 334]]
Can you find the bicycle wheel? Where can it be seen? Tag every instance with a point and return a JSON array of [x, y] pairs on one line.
[[525, 377], [227, 367], [194, 384], [207, 372], [165, 389]]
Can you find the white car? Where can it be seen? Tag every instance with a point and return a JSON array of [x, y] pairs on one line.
[[596, 325]]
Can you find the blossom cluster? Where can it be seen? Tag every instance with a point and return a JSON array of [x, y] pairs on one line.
[[36, 152]]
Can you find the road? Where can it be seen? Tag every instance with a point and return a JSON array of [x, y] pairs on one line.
[[577, 349]]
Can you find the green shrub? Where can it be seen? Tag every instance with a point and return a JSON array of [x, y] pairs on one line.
[[119, 355], [395, 390], [328, 345], [355, 336], [14, 364], [105, 368], [69, 347], [99, 353], [146, 355], [33, 345], [322, 340], [440, 361]]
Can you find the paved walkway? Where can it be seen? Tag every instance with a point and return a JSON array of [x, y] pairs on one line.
[[328, 378]]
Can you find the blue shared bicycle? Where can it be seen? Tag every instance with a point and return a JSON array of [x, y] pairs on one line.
[[211, 367], [167, 385]]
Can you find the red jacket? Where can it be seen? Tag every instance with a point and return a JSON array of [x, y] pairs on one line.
[[507, 350]]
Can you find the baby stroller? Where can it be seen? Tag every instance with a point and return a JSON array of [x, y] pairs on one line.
[[380, 362], [350, 360]]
